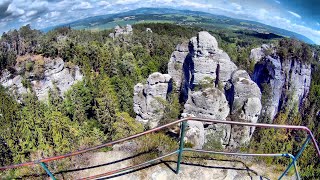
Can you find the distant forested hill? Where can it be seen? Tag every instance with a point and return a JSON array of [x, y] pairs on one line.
[[185, 17]]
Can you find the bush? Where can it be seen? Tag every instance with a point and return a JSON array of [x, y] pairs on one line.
[[29, 66], [155, 145], [125, 126]]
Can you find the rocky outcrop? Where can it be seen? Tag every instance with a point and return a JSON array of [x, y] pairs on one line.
[[283, 80], [118, 31], [210, 86], [176, 63], [208, 60], [53, 72], [148, 30], [147, 98], [210, 104], [258, 53], [246, 106]]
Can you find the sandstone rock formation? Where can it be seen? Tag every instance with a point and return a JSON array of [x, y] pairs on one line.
[[54, 72], [246, 106], [127, 30], [210, 104], [208, 60], [147, 98], [258, 53], [148, 30], [176, 63], [226, 88], [286, 79]]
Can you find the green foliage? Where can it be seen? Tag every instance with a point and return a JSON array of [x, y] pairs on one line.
[[154, 145], [125, 126], [77, 103], [294, 49], [29, 66], [206, 82], [105, 105], [212, 143], [172, 108]]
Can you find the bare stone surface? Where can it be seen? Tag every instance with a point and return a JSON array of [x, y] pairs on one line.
[[146, 98], [208, 60], [118, 31], [211, 104], [228, 88], [290, 75], [54, 72], [258, 53], [176, 63], [204, 169]]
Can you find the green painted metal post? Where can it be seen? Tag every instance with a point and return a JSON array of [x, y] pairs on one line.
[[296, 169], [296, 157], [44, 166], [183, 126]]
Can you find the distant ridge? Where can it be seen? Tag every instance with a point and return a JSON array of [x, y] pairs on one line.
[[108, 21]]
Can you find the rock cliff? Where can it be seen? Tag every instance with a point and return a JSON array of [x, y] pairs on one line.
[[147, 98], [42, 74], [211, 87], [285, 80], [127, 30]]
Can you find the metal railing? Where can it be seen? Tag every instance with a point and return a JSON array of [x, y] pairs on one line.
[[181, 149]]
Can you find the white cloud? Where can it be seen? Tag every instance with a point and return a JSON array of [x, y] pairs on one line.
[[188, 3], [295, 14], [281, 20], [127, 1], [236, 6], [318, 24], [52, 14], [82, 6], [277, 1], [15, 10], [103, 3], [262, 14], [31, 13], [3, 24]]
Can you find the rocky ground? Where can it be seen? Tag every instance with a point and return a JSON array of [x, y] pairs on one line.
[[191, 168]]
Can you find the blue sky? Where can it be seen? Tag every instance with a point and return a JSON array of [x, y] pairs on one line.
[[301, 16]]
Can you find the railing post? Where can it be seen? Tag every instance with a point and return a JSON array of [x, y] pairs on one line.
[[44, 166], [183, 126], [296, 158]]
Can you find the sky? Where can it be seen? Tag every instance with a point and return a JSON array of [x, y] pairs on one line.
[[300, 16]]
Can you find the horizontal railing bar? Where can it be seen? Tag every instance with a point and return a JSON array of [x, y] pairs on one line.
[[239, 154], [129, 167], [162, 127]]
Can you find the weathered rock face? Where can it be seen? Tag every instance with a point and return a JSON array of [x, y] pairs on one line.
[[203, 61], [208, 60], [258, 53], [286, 79], [127, 30], [226, 88], [54, 72], [211, 104], [148, 30], [176, 63], [147, 98], [246, 106]]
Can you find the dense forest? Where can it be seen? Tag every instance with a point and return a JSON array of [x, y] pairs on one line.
[[100, 108]]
